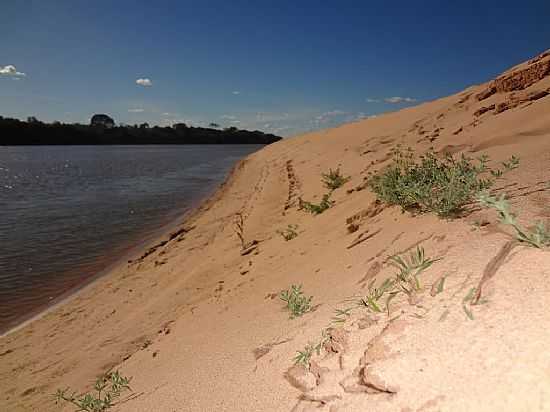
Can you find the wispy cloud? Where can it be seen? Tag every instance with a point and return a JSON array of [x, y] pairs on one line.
[[227, 117], [136, 110], [392, 100], [398, 99], [236, 92], [328, 116], [11, 71], [144, 82], [356, 116], [271, 117]]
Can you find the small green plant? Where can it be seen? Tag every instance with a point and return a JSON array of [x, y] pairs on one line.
[[538, 236], [107, 389], [334, 179], [317, 209], [303, 357], [511, 164], [409, 269], [443, 186], [289, 233], [375, 294], [341, 315], [296, 302], [405, 281]]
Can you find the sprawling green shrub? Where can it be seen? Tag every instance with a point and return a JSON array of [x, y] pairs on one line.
[[432, 184]]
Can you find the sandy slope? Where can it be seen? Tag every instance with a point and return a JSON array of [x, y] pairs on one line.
[[200, 327]]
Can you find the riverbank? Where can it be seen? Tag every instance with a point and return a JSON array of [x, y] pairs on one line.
[[89, 317], [198, 325], [78, 210], [132, 252]]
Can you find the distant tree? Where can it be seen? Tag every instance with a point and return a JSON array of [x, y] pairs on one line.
[[32, 119], [214, 125], [144, 126], [231, 129], [102, 120], [180, 126]]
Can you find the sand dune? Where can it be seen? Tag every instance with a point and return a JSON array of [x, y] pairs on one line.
[[199, 326]]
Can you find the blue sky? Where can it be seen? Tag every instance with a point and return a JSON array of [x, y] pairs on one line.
[[283, 67]]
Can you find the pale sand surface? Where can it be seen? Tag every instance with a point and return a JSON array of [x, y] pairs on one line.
[[190, 321]]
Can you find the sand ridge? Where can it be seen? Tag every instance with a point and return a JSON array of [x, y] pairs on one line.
[[199, 326]]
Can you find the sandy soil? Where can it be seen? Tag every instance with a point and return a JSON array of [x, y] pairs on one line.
[[199, 327]]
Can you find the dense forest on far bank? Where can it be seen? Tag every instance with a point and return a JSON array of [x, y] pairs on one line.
[[102, 131]]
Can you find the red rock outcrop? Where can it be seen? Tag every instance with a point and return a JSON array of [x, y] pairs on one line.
[[537, 69], [486, 93], [482, 110], [522, 79]]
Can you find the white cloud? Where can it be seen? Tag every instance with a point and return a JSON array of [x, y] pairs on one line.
[[334, 113], [328, 116], [144, 82], [136, 110], [397, 99], [371, 100], [356, 116], [227, 117], [235, 121], [10, 70], [236, 92]]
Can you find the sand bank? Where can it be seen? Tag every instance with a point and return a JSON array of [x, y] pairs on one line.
[[199, 326]]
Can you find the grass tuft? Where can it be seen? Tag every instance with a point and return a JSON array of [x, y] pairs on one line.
[[334, 179], [303, 357], [409, 269], [106, 390], [296, 302], [375, 294]]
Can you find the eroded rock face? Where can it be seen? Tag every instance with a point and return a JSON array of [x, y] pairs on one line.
[[522, 79], [538, 94], [501, 107], [482, 110], [516, 100], [538, 68], [486, 93]]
